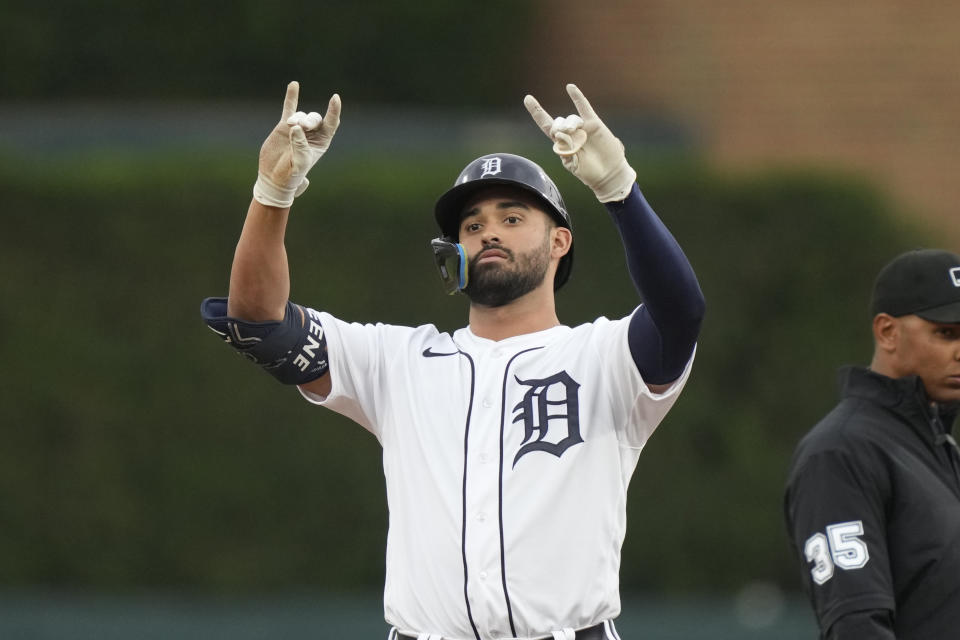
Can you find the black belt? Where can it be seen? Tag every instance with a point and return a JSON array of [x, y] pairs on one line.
[[590, 633]]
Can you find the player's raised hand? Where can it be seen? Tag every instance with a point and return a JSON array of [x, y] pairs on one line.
[[292, 148], [587, 147]]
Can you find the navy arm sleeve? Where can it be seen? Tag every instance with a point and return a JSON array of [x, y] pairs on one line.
[[663, 332]]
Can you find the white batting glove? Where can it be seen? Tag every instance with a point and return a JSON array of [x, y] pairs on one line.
[[292, 148], [587, 147]]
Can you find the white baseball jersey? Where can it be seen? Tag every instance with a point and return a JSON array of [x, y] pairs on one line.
[[506, 465]]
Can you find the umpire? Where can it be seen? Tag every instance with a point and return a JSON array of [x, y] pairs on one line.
[[872, 501]]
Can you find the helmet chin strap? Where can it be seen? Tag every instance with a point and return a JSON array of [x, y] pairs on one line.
[[451, 260]]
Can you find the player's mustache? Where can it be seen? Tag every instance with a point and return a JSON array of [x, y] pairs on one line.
[[488, 248]]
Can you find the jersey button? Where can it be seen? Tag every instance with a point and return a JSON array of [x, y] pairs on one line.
[[484, 458], [483, 575], [482, 517], [487, 403], [497, 353]]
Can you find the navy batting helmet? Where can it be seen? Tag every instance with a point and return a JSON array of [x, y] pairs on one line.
[[507, 169]]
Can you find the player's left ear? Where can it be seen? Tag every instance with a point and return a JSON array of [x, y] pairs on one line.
[[560, 241]]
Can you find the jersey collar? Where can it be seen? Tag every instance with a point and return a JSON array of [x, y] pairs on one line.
[[906, 395]]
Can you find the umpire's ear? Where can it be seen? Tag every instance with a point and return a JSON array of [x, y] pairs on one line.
[[886, 333]]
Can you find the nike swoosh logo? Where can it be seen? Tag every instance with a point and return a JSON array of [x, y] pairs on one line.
[[430, 353]]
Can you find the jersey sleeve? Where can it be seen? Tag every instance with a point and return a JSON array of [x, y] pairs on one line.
[[834, 509], [639, 410], [355, 357]]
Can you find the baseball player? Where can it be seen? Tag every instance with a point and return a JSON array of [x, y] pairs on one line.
[[508, 445], [872, 503]]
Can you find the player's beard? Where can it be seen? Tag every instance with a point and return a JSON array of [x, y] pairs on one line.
[[496, 284]]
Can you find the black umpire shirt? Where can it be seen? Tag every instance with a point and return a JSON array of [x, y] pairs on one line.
[[872, 507]]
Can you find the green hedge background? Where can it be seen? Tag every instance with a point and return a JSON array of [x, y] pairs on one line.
[[139, 452], [430, 52]]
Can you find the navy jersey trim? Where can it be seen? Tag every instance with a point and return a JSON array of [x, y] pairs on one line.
[[463, 495], [503, 555], [610, 630], [429, 353]]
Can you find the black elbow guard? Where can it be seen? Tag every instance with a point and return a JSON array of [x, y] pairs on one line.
[[294, 351]]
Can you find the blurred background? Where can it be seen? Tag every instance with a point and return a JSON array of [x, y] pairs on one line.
[[153, 485]]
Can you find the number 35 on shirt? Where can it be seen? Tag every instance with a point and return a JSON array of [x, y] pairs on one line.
[[840, 547]]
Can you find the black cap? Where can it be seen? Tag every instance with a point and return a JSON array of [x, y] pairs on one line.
[[923, 282]]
